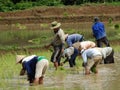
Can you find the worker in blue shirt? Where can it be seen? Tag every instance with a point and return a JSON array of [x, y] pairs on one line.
[[99, 33], [72, 38]]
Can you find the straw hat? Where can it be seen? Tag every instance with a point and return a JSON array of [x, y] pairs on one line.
[[19, 58], [55, 24]]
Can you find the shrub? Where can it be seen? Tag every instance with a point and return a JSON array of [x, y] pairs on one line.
[[48, 2], [22, 5], [110, 20], [116, 26], [6, 5]]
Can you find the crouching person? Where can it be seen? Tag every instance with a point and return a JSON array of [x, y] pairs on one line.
[[108, 54], [91, 58], [35, 66], [70, 54], [84, 45]]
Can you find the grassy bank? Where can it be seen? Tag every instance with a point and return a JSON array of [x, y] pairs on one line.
[[21, 38]]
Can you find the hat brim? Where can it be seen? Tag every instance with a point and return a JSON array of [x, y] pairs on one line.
[[19, 61], [57, 26], [19, 58]]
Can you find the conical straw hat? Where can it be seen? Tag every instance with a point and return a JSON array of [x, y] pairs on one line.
[[19, 58]]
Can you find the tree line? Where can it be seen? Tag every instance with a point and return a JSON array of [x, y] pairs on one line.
[[10, 5]]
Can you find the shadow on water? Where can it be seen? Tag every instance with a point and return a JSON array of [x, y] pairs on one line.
[[108, 78]]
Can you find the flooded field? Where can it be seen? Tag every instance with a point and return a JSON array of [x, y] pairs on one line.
[[108, 78]]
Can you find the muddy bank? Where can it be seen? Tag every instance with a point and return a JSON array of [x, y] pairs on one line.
[[62, 14]]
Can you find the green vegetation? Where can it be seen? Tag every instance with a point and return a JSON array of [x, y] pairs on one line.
[[9, 71], [12, 5], [21, 41], [26, 39]]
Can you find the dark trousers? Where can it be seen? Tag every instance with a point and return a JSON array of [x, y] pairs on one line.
[[110, 58], [73, 57], [103, 40], [56, 55]]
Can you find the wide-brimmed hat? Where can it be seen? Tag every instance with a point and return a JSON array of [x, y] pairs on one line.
[[55, 24], [19, 58]]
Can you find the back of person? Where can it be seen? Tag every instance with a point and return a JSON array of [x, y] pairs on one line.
[[91, 52], [98, 30], [87, 44], [84, 45], [99, 33], [108, 54], [71, 39]]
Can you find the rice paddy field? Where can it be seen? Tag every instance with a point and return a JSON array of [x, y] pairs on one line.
[[19, 40]]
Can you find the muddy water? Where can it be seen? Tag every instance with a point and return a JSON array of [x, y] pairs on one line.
[[108, 78]]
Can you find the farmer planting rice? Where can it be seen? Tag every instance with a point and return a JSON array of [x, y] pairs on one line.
[[35, 66], [96, 55], [84, 45], [91, 58], [70, 54], [73, 38], [57, 43]]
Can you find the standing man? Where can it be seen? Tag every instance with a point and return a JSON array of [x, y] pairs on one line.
[[35, 66], [57, 43], [99, 33], [73, 38]]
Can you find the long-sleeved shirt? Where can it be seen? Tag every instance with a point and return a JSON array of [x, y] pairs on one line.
[[98, 30], [89, 53], [73, 38], [59, 38]]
